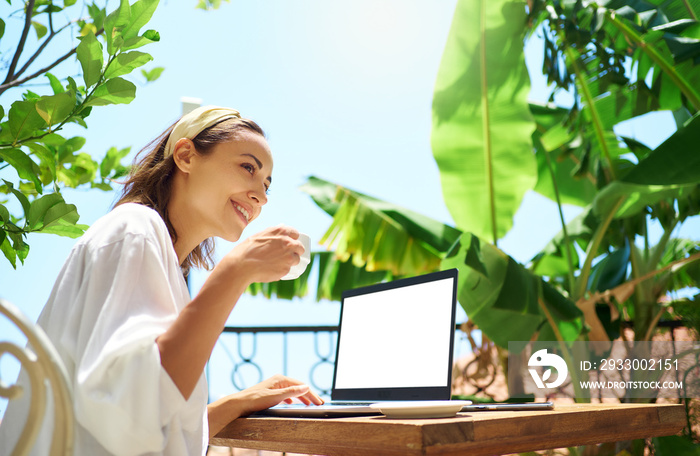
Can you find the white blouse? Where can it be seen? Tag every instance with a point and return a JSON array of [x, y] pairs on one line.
[[120, 288]]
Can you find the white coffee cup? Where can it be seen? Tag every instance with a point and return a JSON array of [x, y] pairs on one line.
[[304, 259]]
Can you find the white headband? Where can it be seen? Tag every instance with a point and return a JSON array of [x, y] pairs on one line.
[[193, 123]]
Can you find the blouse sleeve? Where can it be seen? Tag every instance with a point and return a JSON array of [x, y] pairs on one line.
[[123, 396]]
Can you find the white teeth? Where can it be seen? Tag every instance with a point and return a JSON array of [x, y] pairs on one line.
[[242, 211]]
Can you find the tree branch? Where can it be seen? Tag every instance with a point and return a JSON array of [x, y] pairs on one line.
[[41, 49], [17, 82], [29, 11]]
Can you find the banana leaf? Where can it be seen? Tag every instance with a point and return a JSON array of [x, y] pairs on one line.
[[672, 170], [504, 299], [482, 127], [628, 200], [675, 161], [378, 235]]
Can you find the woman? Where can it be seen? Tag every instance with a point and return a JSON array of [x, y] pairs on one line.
[[120, 315]]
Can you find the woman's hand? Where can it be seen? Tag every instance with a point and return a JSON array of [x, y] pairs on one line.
[[259, 397], [268, 255], [273, 391]]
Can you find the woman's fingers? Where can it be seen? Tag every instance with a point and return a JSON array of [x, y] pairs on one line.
[[290, 388]]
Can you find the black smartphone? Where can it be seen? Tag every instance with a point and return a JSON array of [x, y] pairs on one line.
[[509, 406]]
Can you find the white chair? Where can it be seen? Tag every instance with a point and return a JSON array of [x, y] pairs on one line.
[[46, 372]]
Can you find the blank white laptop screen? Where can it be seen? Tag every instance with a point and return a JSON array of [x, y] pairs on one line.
[[396, 338], [395, 343]]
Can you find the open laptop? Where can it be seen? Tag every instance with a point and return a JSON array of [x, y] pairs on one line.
[[395, 343]]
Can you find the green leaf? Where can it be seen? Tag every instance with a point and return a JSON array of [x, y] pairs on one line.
[[323, 193], [2, 28], [50, 210], [610, 271], [47, 159], [113, 25], [675, 161], [209, 4], [4, 214], [578, 191], [40, 29], [83, 170], [54, 109], [24, 120], [61, 215], [97, 14], [38, 209], [104, 186], [24, 165], [74, 144], [630, 199], [152, 74], [481, 120], [89, 53], [21, 248], [141, 13], [114, 91], [19, 195], [126, 62], [556, 137], [621, 104], [65, 229], [53, 139], [473, 258], [9, 252], [56, 85], [150, 36], [112, 160]]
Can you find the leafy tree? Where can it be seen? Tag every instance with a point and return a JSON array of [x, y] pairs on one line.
[[622, 60], [36, 160]]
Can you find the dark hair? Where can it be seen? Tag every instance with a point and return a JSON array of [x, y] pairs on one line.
[[150, 179]]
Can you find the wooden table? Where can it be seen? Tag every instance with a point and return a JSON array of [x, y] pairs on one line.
[[473, 433]]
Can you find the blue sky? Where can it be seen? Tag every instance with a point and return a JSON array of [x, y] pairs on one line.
[[344, 92]]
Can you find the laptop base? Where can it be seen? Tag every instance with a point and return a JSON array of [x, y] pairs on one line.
[[318, 411]]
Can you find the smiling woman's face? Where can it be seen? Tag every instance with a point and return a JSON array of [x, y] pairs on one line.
[[226, 188]]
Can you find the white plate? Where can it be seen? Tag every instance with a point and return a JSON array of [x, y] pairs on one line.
[[420, 409]]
